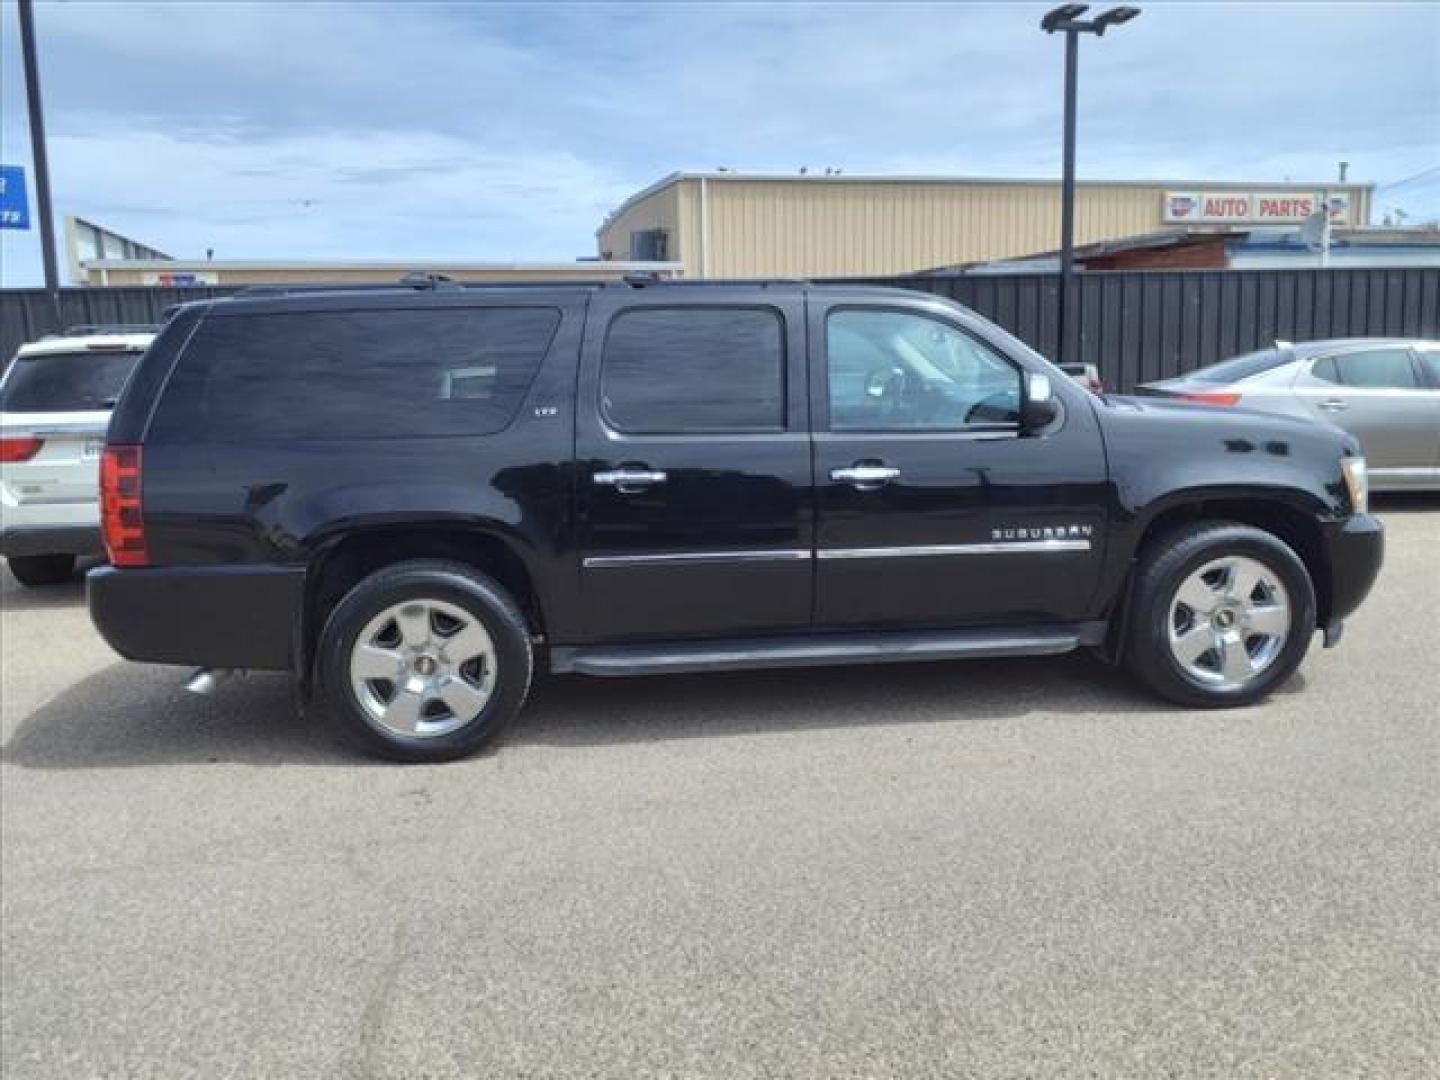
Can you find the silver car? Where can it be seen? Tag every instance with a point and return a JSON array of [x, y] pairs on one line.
[[1384, 391]]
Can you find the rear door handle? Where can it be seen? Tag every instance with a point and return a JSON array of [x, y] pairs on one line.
[[630, 480], [1334, 405], [865, 476]]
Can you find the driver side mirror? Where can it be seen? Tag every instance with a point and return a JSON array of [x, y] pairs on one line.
[[1039, 409]]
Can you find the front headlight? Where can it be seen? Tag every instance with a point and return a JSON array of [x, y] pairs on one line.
[[1357, 483]]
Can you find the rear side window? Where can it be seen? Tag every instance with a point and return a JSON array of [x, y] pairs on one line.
[[697, 369], [1377, 369], [66, 382], [356, 374]]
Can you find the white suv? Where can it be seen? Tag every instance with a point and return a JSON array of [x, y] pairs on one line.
[[55, 402]]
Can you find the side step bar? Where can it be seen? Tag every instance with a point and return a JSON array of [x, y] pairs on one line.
[[810, 650]]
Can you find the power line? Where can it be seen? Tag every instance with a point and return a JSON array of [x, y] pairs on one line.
[[1410, 179]]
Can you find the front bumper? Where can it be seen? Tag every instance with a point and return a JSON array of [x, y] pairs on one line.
[[17, 541], [1355, 550], [214, 616]]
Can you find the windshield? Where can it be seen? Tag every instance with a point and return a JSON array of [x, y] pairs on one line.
[[1242, 367], [66, 382]]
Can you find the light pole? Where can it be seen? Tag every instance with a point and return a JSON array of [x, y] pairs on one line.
[[1066, 19], [37, 148]]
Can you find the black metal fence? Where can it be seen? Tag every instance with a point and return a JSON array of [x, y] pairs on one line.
[[26, 314], [1135, 325], [1138, 325]]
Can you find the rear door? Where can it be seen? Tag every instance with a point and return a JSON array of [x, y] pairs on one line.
[[693, 464], [1379, 396]]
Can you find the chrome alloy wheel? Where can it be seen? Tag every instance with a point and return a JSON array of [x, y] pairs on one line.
[[1228, 622], [423, 668]]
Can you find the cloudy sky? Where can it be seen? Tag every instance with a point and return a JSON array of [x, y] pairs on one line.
[[497, 132]]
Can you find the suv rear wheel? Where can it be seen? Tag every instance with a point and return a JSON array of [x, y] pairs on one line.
[[424, 661], [1222, 614], [33, 571]]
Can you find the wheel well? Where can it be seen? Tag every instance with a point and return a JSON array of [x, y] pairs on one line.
[[1299, 530], [340, 567]]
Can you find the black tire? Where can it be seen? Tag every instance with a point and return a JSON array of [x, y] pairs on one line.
[[1166, 564], [36, 571], [446, 583]]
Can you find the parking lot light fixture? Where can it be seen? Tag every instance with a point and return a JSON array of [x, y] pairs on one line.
[[1068, 19]]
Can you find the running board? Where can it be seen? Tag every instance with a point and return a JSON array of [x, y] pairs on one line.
[[811, 650]]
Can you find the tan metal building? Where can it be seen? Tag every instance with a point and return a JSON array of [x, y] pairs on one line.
[[729, 224]]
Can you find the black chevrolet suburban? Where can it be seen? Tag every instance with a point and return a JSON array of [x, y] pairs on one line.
[[414, 497]]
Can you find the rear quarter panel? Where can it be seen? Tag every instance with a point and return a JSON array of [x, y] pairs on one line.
[[236, 503]]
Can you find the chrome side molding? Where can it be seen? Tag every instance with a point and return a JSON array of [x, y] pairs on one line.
[[1051, 546], [694, 558], [1002, 547]]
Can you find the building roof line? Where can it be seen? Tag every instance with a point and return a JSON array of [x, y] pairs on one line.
[[673, 178]]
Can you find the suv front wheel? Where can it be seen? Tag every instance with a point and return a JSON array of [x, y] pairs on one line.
[[424, 661], [1222, 614]]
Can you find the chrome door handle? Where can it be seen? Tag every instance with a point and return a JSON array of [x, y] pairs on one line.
[[629, 481], [865, 476], [1334, 405]]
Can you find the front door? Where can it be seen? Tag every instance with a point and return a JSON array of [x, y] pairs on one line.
[[932, 508], [695, 499], [1379, 396]]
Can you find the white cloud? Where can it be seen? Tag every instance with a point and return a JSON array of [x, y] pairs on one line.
[[507, 131], [343, 193]]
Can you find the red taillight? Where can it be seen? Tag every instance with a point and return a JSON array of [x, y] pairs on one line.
[[19, 447], [1212, 399], [121, 519]]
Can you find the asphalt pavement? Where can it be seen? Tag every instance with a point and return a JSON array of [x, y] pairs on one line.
[[988, 869]]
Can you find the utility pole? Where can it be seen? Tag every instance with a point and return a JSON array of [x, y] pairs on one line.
[[1066, 19], [37, 152]]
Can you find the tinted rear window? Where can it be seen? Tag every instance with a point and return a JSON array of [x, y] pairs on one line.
[[66, 382], [696, 369], [1242, 367], [356, 374]]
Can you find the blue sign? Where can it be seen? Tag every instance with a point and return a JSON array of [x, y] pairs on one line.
[[14, 210]]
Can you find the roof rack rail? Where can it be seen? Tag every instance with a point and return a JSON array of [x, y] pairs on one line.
[[650, 277], [425, 279]]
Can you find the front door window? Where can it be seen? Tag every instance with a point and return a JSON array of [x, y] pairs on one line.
[[897, 371]]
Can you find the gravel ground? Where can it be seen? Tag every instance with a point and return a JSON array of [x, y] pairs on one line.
[[997, 869]]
